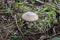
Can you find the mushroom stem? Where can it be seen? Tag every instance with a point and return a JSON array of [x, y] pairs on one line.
[[30, 24]]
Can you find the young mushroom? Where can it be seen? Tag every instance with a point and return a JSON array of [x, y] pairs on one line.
[[30, 17]]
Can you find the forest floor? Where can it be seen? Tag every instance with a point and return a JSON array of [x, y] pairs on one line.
[[13, 27]]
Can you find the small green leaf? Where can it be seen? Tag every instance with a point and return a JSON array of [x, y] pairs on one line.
[[58, 1], [44, 9], [8, 10], [27, 31], [52, 13]]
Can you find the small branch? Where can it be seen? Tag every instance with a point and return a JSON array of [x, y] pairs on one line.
[[2, 38], [40, 1], [6, 36], [55, 34], [19, 29]]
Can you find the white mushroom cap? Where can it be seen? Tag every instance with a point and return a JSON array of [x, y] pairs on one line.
[[30, 16]]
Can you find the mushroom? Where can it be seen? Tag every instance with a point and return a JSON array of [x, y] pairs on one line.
[[30, 17]]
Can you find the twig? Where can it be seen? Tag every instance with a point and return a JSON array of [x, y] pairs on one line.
[[19, 29], [50, 37], [40, 1], [2, 38], [6, 36], [55, 34]]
